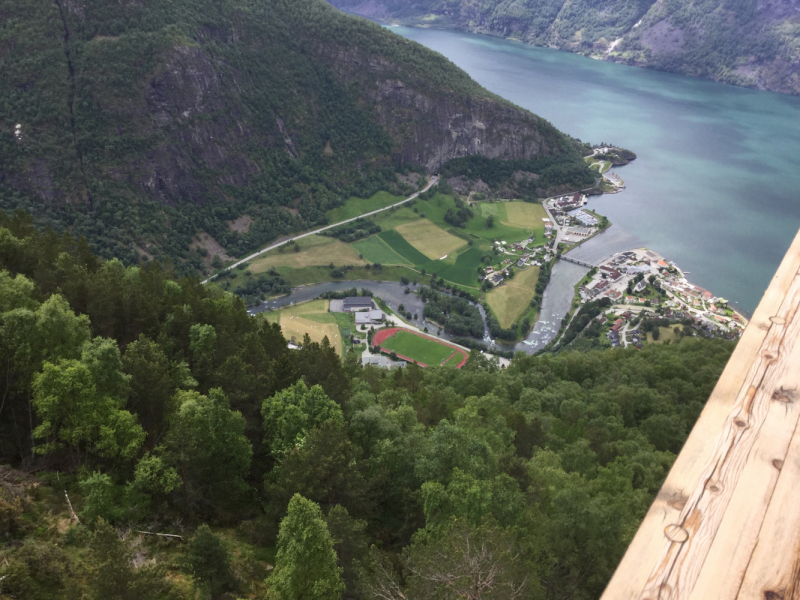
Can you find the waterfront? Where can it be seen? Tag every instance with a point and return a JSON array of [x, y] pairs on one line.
[[715, 185]]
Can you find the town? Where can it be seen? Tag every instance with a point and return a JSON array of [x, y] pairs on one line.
[[640, 283]]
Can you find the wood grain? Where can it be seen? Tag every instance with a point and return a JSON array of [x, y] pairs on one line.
[[703, 532]]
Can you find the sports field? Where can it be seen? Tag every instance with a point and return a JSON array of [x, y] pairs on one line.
[[431, 240], [417, 347], [512, 298], [310, 318], [315, 250], [375, 250]]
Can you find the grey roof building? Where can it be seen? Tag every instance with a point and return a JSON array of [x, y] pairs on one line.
[[357, 303]]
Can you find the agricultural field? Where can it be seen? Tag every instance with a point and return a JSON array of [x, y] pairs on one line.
[[353, 207], [430, 240], [512, 299], [310, 318], [315, 250], [375, 250], [524, 214], [413, 237], [400, 245], [421, 349]]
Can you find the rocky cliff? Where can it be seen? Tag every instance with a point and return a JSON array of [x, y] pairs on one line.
[[752, 43], [141, 124]]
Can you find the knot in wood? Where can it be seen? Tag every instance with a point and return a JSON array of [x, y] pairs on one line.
[[770, 595], [714, 486], [777, 463], [768, 356], [778, 320], [779, 396], [740, 423], [676, 533]]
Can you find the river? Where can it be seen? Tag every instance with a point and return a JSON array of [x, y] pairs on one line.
[[715, 187]]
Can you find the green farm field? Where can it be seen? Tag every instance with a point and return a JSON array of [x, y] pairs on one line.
[[354, 207], [432, 241], [418, 348], [315, 250], [400, 245], [375, 250], [512, 298]]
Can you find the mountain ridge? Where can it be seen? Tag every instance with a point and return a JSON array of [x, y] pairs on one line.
[[142, 126], [749, 43]]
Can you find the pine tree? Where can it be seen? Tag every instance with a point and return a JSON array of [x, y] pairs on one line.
[[306, 567], [208, 562]]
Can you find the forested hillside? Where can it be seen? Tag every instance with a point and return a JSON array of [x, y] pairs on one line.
[[149, 404], [168, 129], [748, 43]]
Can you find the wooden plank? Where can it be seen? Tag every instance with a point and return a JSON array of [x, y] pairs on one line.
[[648, 568], [734, 542], [773, 571]]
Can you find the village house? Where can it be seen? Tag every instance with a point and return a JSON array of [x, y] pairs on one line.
[[355, 303]]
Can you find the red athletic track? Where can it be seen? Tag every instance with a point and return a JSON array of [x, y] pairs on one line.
[[384, 334]]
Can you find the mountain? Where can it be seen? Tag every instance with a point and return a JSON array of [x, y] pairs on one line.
[[143, 125], [747, 42]]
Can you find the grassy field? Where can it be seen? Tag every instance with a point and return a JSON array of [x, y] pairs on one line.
[[309, 275], [353, 207], [430, 240], [310, 318], [512, 298], [418, 348], [375, 250], [524, 214], [400, 245], [665, 334], [396, 216], [461, 268], [315, 250]]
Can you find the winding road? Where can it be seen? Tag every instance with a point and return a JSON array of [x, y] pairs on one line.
[[434, 180]]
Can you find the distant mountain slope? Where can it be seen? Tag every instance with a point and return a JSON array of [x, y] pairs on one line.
[[754, 43], [140, 124]]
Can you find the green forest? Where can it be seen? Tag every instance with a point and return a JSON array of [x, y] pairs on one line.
[[136, 403], [143, 124]]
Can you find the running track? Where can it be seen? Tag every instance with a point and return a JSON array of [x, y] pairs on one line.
[[384, 334]]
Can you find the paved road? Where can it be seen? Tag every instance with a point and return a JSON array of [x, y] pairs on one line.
[[431, 183]]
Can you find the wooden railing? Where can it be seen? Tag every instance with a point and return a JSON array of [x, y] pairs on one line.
[[726, 523]]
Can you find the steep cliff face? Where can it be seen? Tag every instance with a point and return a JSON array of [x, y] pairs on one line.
[[432, 126], [142, 124], [752, 43]]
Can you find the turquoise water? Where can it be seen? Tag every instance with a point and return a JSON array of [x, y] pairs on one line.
[[716, 187]]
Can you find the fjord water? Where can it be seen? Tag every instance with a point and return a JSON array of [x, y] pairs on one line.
[[716, 187]]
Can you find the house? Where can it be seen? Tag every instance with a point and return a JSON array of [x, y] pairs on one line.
[[640, 286], [355, 303], [521, 263], [627, 315], [600, 286], [489, 270], [636, 269], [381, 361], [614, 294], [496, 279], [369, 317]]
